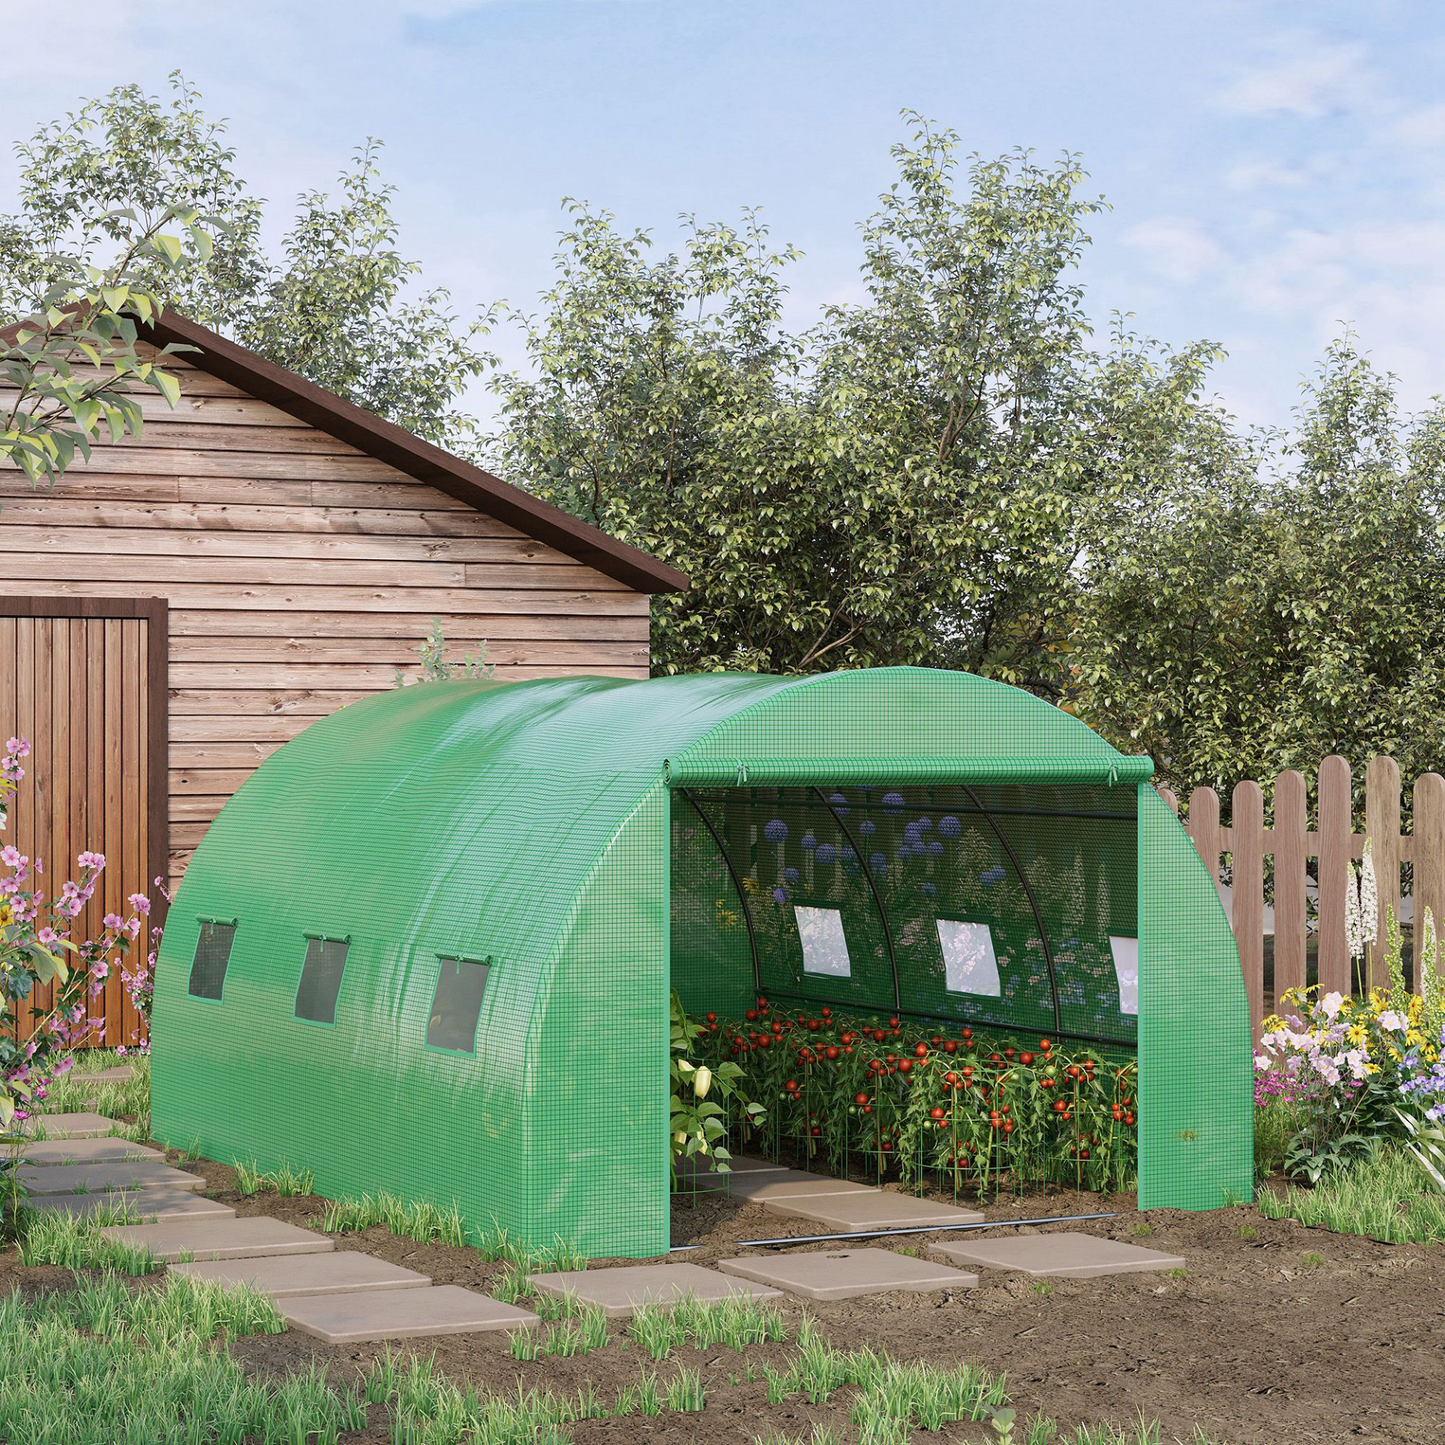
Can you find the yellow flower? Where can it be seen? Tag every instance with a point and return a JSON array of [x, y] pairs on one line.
[[1356, 1035], [6, 916]]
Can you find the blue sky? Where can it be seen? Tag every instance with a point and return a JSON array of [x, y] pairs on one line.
[[1274, 169]]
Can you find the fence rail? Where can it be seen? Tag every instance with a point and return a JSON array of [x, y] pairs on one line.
[[1331, 845]]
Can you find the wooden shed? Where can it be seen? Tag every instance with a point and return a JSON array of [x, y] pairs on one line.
[[179, 606]]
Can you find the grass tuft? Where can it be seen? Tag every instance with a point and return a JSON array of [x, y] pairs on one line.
[[1384, 1196]]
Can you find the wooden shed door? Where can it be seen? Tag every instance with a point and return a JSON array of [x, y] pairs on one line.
[[84, 679]]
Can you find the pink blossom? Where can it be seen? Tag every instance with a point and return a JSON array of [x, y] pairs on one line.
[[47, 936], [112, 920], [18, 747], [12, 857], [140, 903], [91, 860]]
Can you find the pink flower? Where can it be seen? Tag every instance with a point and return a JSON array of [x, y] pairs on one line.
[[91, 860], [112, 920], [140, 903], [47, 936], [18, 747], [12, 857]]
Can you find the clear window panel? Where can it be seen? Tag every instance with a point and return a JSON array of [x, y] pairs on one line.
[[321, 979], [1126, 970], [825, 949], [457, 1005], [213, 953], [969, 962]]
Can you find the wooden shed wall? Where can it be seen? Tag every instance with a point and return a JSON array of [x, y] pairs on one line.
[[300, 574]]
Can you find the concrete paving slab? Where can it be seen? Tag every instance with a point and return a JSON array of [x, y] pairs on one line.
[[344, 1271], [247, 1238], [847, 1273], [87, 1151], [105, 1174], [1063, 1256], [399, 1314], [621, 1290], [869, 1209], [81, 1124], [119, 1075], [788, 1184], [147, 1204]]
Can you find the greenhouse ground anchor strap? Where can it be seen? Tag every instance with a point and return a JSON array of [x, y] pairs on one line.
[[910, 1229]]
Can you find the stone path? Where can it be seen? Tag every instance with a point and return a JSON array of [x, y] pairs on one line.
[[1064, 1255], [69, 1126], [847, 1273], [624, 1289]]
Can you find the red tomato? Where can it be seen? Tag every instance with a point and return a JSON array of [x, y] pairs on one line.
[[949, 1047], [935, 1113], [831, 1052], [860, 1098], [1026, 1059], [904, 1065], [921, 1050]]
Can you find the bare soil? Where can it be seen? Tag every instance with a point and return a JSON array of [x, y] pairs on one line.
[[1276, 1333]]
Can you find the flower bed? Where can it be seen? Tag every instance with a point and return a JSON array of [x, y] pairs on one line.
[[895, 1099]]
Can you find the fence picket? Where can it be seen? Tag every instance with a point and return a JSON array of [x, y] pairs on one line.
[[1203, 828], [1291, 924], [1334, 855], [1247, 837], [1382, 828], [1428, 808]]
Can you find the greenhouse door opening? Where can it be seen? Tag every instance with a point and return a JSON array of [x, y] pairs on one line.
[[1011, 908]]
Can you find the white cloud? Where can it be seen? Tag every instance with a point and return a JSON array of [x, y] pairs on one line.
[[1180, 250], [1310, 79], [1422, 129]]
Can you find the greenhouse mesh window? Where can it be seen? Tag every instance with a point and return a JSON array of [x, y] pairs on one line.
[[456, 1005], [1011, 906], [213, 953], [321, 979]]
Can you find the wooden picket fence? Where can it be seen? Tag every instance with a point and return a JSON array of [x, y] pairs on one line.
[[1331, 844]]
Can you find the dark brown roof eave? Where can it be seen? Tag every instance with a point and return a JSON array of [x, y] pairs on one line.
[[407, 453]]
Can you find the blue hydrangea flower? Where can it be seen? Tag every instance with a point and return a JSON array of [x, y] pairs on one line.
[[935, 847], [993, 875], [929, 888], [867, 826], [925, 823], [790, 875], [827, 853], [809, 841], [775, 830], [912, 833], [878, 863], [838, 801], [781, 894], [949, 826], [893, 800], [848, 855]]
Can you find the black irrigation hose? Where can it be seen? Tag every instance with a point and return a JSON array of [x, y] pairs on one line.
[[890, 1233]]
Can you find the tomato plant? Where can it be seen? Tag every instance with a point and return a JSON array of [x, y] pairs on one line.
[[908, 1100]]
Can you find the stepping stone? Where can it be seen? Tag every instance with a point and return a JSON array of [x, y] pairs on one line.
[[103, 1175], [121, 1075], [247, 1238], [762, 1185], [145, 1204], [342, 1272], [399, 1314], [69, 1126], [621, 1290], [861, 1211], [1065, 1256], [847, 1273], [87, 1151]]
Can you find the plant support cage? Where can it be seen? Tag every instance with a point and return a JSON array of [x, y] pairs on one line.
[[428, 946]]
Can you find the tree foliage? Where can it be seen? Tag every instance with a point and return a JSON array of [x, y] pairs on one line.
[[338, 304]]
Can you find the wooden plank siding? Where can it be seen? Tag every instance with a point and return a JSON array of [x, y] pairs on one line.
[[300, 573]]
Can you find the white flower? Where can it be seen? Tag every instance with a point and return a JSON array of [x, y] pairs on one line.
[[1369, 900], [1358, 1063], [1327, 1070], [1332, 1003], [1354, 932], [1395, 1022]]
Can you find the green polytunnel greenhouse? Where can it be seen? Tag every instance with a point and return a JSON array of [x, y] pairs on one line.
[[428, 947]]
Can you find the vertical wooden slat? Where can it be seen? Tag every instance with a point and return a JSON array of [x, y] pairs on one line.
[[27, 836], [113, 893], [1334, 952], [1203, 828], [1382, 828], [8, 627], [1428, 805], [1171, 798], [1291, 824], [133, 790], [1247, 828]]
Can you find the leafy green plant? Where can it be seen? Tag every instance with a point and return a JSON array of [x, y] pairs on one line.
[[698, 1120]]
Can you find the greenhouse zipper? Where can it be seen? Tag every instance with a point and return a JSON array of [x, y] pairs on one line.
[[891, 1233]]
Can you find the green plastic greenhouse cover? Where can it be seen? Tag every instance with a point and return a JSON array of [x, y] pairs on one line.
[[428, 946]]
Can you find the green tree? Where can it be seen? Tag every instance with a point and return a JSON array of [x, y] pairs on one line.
[[339, 304]]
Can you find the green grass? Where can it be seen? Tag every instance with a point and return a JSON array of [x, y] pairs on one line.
[[1384, 1196], [70, 1092], [424, 1222], [283, 1180], [736, 1322], [50, 1236]]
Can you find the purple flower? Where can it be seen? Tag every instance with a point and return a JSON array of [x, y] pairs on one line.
[[775, 830], [781, 894], [827, 853], [808, 841], [949, 826]]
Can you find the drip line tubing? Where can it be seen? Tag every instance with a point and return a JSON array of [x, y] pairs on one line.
[[891, 1233]]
